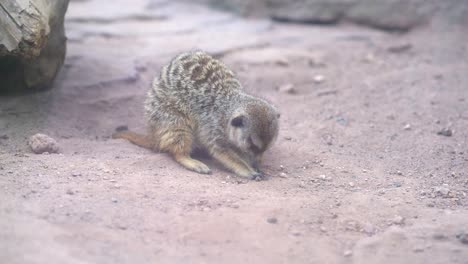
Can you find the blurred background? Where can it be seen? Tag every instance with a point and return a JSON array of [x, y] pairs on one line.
[[370, 165]]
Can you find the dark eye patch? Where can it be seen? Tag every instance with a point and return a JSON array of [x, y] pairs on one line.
[[253, 147]]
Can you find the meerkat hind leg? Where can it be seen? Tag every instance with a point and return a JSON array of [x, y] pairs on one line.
[[233, 162], [179, 144]]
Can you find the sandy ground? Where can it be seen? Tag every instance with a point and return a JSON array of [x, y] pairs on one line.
[[359, 173]]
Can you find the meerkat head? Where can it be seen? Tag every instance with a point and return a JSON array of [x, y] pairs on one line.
[[253, 129]]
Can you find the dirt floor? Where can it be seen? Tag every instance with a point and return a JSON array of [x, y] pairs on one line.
[[361, 172]]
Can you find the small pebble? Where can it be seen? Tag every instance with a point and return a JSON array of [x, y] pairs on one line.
[[288, 88], [296, 233], [463, 237], [347, 253], [398, 220], [76, 174], [445, 132], [122, 227], [418, 248], [351, 184], [319, 78], [283, 175], [272, 220], [323, 229], [114, 200], [282, 62], [70, 192], [369, 58], [442, 191], [41, 144], [368, 229], [399, 48], [121, 128], [439, 236], [407, 127]]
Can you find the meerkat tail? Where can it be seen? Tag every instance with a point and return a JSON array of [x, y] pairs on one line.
[[135, 138]]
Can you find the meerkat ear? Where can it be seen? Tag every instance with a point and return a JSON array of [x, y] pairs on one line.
[[238, 121]]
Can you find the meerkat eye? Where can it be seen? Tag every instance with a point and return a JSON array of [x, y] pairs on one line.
[[238, 121]]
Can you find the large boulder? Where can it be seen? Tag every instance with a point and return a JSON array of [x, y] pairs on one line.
[[32, 43], [389, 15], [309, 11]]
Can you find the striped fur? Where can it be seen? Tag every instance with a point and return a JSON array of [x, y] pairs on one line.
[[197, 102]]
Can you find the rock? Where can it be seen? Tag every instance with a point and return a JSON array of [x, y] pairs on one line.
[[391, 15], [407, 127], [463, 237], [122, 226], [32, 45], [352, 226], [445, 132], [283, 175], [325, 178], [41, 143], [347, 253], [308, 11], [418, 248], [272, 220], [296, 233], [121, 128], [439, 236], [441, 191], [398, 220], [368, 229], [394, 15], [114, 200], [76, 174], [369, 58], [399, 48], [70, 192], [282, 62], [319, 78], [351, 184], [287, 88]]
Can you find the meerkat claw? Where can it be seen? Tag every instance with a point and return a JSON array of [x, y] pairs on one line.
[[258, 176]]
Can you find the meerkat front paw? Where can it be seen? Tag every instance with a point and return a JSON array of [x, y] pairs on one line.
[[258, 176]]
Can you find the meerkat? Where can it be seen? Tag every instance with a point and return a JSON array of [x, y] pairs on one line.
[[197, 102]]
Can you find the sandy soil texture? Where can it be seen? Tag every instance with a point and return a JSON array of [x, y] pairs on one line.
[[364, 170]]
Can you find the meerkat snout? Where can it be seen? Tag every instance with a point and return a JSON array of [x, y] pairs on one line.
[[253, 130]]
